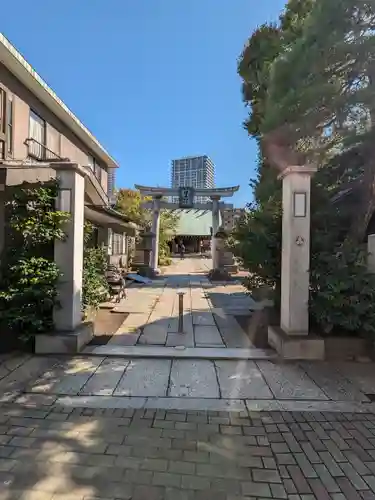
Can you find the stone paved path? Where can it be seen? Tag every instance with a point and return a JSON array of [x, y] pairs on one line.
[[209, 310], [190, 384], [117, 428], [67, 453]]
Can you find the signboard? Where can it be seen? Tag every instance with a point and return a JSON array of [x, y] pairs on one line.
[[186, 197]]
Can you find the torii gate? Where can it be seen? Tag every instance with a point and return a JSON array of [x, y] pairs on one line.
[[186, 197]]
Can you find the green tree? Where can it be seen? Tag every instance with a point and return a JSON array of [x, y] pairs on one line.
[[323, 88], [308, 82], [129, 202]]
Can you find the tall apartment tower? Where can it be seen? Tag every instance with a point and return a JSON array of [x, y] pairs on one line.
[[194, 171]]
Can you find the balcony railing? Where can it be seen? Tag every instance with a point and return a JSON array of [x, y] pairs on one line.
[[40, 152]]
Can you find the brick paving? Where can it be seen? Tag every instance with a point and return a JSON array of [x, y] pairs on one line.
[[59, 453]]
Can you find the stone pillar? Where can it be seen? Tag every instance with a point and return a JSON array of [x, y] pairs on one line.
[[215, 228], [371, 253], [295, 258], [69, 253], [155, 240]]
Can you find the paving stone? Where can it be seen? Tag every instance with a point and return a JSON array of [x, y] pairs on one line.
[[332, 382], [100, 402], [289, 382], [325, 477], [278, 491], [177, 339], [207, 335], [266, 476], [319, 489], [67, 377], [360, 374], [235, 337], [203, 318], [242, 380], [154, 334], [256, 489], [180, 467], [145, 377], [331, 465], [193, 379], [299, 479], [106, 378], [354, 477], [166, 479], [195, 404]]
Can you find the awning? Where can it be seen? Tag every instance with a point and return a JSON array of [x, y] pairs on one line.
[[107, 217]]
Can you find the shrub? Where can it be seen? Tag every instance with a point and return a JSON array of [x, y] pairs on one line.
[[164, 253], [342, 296], [256, 241], [342, 291], [94, 284], [28, 291]]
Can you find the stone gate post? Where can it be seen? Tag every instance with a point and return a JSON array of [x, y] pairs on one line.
[[69, 252], [155, 230], [295, 257], [291, 339], [215, 228]]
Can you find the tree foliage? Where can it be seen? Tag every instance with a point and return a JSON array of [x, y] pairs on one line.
[[94, 284], [129, 202], [323, 88], [29, 275], [308, 81]]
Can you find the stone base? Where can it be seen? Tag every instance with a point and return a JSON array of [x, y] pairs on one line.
[[296, 347], [219, 275], [144, 270], [64, 342], [347, 349]]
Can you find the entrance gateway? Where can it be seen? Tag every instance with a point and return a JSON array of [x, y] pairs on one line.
[[186, 196]]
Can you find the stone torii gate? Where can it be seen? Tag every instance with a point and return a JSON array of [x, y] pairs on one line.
[[186, 196]]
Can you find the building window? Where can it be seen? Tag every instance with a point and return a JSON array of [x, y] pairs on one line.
[[10, 127], [116, 244], [98, 172], [37, 132], [37, 128], [90, 162], [3, 128], [95, 167]]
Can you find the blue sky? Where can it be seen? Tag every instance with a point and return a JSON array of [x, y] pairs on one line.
[[152, 79]]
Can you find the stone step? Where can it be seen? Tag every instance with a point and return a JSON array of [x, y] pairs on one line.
[[179, 352]]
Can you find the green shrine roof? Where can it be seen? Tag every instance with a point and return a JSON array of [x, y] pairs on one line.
[[195, 222]]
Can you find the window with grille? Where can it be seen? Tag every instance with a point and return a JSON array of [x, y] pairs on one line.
[[37, 132], [116, 244]]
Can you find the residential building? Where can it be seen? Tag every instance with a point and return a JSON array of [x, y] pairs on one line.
[[231, 216], [194, 171], [40, 139]]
